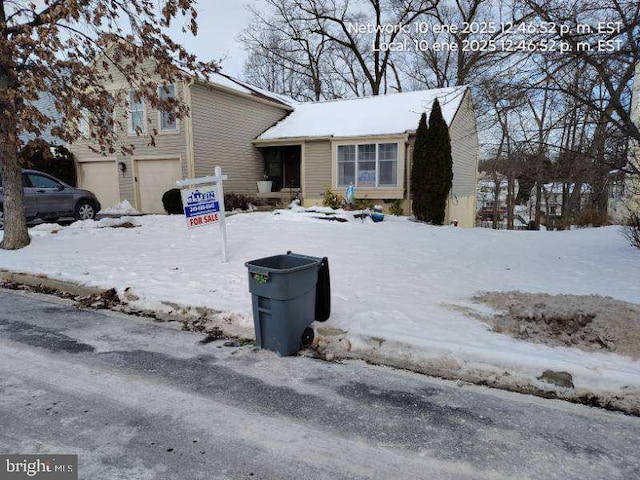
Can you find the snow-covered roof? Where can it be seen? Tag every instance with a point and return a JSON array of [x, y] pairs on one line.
[[377, 115], [231, 83]]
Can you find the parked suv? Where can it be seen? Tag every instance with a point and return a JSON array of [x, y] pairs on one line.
[[47, 198]]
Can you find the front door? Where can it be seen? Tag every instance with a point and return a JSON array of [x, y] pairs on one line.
[[291, 164]]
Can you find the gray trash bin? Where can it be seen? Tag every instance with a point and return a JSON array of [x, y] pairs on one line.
[[283, 289]]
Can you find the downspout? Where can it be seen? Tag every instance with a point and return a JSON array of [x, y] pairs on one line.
[[408, 153], [188, 127]]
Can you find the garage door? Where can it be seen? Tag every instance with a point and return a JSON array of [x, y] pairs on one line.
[[101, 178], [154, 177]]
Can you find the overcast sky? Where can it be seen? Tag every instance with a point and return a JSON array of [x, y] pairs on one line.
[[220, 22]]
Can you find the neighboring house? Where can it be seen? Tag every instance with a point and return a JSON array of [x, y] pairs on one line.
[[46, 105], [486, 192], [617, 206], [632, 186], [302, 148], [485, 204], [551, 200]]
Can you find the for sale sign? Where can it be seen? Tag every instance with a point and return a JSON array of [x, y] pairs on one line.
[[203, 203], [201, 206]]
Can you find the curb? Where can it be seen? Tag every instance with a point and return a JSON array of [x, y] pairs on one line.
[[333, 344], [44, 282]]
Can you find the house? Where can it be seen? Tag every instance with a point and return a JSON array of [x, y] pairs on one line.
[[486, 205], [46, 105], [225, 116], [368, 142], [632, 186], [302, 148]]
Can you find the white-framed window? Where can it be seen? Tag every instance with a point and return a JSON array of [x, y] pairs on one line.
[[136, 114], [83, 124], [167, 124], [368, 165], [107, 118], [346, 165], [90, 122], [388, 165]]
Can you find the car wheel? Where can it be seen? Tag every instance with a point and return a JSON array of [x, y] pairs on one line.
[[1, 218], [85, 211]]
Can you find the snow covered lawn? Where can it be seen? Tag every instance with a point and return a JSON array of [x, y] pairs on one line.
[[399, 288]]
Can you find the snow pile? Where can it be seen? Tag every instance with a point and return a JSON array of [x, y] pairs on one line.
[[123, 208], [589, 322], [45, 229], [399, 288]]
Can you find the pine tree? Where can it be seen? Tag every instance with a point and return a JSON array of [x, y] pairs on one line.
[[439, 168], [419, 170]]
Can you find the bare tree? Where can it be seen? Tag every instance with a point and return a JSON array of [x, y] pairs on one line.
[[469, 53], [63, 48], [282, 45], [603, 39], [364, 52]]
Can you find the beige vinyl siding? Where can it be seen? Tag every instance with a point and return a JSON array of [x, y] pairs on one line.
[[224, 126], [464, 149], [464, 153], [167, 145], [317, 166]]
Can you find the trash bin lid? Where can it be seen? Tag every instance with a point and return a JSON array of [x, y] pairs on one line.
[[283, 264]]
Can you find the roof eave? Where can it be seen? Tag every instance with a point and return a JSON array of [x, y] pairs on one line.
[[282, 140], [222, 88], [333, 138]]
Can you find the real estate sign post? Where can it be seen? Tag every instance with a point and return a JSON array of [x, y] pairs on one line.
[[203, 203]]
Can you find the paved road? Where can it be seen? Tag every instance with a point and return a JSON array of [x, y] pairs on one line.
[[139, 401]]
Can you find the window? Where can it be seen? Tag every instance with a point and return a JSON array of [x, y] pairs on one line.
[[388, 164], [346, 165], [83, 124], [90, 123], [39, 181], [167, 124], [107, 117], [136, 114], [368, 165]]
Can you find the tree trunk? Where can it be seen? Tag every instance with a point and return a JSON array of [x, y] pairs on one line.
[[564, 208], [16, 234], [538, 207], [511, 204]]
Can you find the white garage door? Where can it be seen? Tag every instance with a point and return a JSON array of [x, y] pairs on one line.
[[101, 178], [154, 177]]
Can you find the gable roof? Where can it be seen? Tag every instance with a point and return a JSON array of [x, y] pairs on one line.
[[396, 113], [225, 81]]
